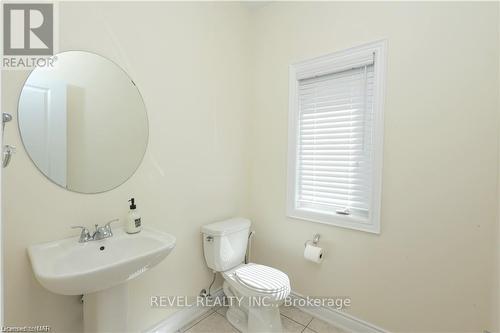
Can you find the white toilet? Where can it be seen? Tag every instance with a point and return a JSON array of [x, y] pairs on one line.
[[256, 290]]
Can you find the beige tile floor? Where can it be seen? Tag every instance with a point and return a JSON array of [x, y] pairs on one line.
[[293, 321]]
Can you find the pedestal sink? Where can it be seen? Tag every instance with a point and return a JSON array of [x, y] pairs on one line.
[[99, 270]]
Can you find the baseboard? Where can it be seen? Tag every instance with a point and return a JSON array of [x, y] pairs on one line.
[[183, 317], [340, 319]]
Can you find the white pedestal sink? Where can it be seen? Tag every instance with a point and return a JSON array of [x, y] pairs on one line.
[[99, 270]]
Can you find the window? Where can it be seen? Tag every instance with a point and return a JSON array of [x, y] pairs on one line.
[[336, 138]]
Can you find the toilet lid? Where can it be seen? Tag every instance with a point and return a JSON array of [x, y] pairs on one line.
[[262, 278]]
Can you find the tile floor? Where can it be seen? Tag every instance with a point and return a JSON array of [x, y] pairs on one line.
[[293, 321]]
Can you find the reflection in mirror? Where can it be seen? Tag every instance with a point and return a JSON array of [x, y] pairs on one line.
[[83, 122]]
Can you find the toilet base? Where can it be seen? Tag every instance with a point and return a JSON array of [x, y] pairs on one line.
[[250, 319], [237, 318], [264, 319]]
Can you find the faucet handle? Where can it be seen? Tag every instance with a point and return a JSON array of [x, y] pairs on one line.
[[108, 226], [79, 226], [84, 235], [112, 221]]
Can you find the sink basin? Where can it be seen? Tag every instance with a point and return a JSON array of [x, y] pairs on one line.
[[70, 268]]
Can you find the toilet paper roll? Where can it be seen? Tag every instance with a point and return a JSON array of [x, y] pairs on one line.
[[313, 253]]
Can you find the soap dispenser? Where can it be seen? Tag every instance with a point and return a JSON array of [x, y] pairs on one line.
[[134, 224]]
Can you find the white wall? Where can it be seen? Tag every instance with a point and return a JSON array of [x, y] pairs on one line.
[[495, 308], [192, 72], [2, 260], [210, 73], [431, 269]]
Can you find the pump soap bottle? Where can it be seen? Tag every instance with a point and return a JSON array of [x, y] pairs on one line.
[[134, 224]]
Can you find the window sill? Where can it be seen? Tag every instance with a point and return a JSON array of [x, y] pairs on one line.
[[348, 222]]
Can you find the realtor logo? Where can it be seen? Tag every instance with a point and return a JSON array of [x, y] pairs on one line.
[[28, 29]]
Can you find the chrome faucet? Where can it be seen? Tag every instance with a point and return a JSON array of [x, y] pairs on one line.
[[101, 232]]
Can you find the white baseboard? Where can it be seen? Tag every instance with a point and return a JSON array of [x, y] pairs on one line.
[[183, 317], [339, 318], [342, 320]]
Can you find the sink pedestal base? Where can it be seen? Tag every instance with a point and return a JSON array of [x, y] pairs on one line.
[[106, 310]]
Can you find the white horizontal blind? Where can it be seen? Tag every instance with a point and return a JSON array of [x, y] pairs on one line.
[[335, 142]]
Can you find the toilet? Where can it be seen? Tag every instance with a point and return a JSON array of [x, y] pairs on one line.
[[254, 291]]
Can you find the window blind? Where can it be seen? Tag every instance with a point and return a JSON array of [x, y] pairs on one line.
[[335, 142]]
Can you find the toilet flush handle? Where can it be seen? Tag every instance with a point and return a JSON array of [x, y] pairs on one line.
[[209, 238]]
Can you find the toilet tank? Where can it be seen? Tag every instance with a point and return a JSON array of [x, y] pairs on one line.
[[225, 243]]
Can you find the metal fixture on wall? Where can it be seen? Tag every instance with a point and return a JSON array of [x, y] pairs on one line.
[[249, 246], [314, 241], [8, 150]]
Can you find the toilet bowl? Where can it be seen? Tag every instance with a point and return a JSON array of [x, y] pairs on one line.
[[259, 291], [254, 291]]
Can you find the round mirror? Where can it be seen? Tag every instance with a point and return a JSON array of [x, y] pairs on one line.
[[83, 122]]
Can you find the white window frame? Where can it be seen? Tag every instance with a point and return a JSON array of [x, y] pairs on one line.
[[336, 62]]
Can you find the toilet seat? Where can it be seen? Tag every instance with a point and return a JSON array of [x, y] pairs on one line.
[[260, 279]]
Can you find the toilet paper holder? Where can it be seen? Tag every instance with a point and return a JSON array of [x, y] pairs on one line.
[[314, 241]]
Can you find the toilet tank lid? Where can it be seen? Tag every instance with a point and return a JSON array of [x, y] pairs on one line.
[[226, 227]]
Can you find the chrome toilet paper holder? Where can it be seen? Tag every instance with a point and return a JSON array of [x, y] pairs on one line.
[[314, 241]]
